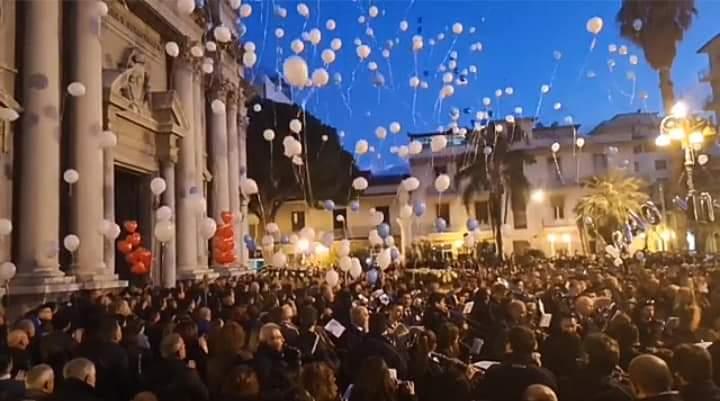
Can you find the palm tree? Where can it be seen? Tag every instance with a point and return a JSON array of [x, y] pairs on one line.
[[493, 166], [609, 203], [657, 26]]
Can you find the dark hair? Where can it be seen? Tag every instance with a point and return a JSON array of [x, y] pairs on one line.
[[188, 330], [447, 339], [693, 363], [373, 382], [6, 362], [241, 382], [307, 317], [378, 324], [318, 381], [435, 298], [603, 352], [522, 341]]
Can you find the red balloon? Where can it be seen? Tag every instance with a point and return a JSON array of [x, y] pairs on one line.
[[130, 226], [224, 231], [226, 217], [146, 258], [138, 268], [225, 245], [135, 239], [124, 247]]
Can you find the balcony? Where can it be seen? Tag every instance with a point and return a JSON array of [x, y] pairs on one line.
[[708, 75]]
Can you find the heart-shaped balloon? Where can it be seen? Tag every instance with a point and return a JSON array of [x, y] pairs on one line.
[[227, 217], [130, 226]]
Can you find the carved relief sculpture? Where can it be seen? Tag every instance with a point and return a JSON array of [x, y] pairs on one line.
[[134, 82]]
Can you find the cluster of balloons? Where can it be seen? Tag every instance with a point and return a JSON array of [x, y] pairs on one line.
[[139, 258], [224, 242]]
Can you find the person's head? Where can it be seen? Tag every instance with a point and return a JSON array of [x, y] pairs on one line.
[[517, 310], [378, 324], [18, 339], [602, 351], [110, 330], [145, 396], [242, 382], [204, 314], [566, 324], [373, 381], [230, 340], [308, 317], [437, 300], [40, 378], [45, 313], [692, 364], [395, 313], [521, 342], [228, 298], [448, 337], [172, 347], [27, 326], [120, 307], [188, 330], [360, 317], [271, 336], [81, 369], [287, 313], [650, 376], [6, 363], [318, 380], [539, 392], [584, 306]]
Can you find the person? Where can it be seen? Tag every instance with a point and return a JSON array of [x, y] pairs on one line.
[[436, 313], [509, 380], [585, 312], [79, 376], [538, 392], [313, 342], [272, 364], [196, 346], [241, 384], [651, 379], [289, 331], [10, 388], [102, 347], [317, 382], [600, 379], [57, 346], [172, 379], [376, 344], [562, 349], [693, 369], [374, 383], [144, 396], [39, 383], [18, 345], [226, 352]]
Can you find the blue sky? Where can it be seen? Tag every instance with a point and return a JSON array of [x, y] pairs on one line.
[[519, 40]]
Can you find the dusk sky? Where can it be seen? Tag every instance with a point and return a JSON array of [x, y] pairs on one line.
[[519, 44]]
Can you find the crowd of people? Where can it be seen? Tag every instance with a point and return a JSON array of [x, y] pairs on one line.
[[573, 329]]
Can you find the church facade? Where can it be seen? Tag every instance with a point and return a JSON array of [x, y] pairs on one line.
[[88, 87]]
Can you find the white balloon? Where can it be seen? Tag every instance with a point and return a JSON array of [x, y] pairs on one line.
[[544, 89], [272, 228], [279, 260], [163, 213], [307, 233], [245, 10], [344, 248], [404, 25], [197, 51], [315, 36], [373, 11], [249, 59], [360, 184], [217, 106], [222, 34], [328, 56], [71, 242], [612, 48], [208, 227], [295, 70], [7, 271], [633, 59], [406, 211], [185, 6], [363, 51], [557, 106], [267, 241], [356, 268], [448, 77], [248, 186], [442, 183], [76, 89], [336, 44], [447, 91], [361, 147], [377, 218], [297, 46], [384, 259], [594, 25], [292, 147], [372, 66], [414, 82], [6, 227], [269, 135], [235, 4], [415, 147], [395, 127], [108, 139], [380, 133], [469, 241], [637, 24], [555, 147], [208, 68], [279, 33], [330, 25], [295, 125], [386, 53], [172, 49], [158, 186], [403, 152], [361, 19], [345, 263], [303, 10], [320, 77], [164, 231], [410, 184], [623, 50], [457, 28], [332, 278], [113, 232], [417, 43], [71, 176], [438, 143]]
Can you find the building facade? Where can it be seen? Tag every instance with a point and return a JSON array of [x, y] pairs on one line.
[[547, 223], [142, 112], [711, 75]]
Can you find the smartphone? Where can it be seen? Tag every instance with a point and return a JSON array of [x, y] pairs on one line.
[[393, 374]]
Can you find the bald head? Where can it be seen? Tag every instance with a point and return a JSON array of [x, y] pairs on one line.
[[650, 375], [539, 392]]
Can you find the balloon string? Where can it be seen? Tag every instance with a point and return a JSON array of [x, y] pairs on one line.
[[265, 34], [557, 168], [262, 208], [414, 101]]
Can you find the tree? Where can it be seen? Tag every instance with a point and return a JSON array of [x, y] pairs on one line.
[[609, 203], [327, 169], [657, 26], [493, 166]]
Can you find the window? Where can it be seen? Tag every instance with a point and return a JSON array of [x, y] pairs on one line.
[[442, 210], [600, 162], [557, 203], [339, 225], [297, 220], [555, 167], [660, 165], [637, 167], [519, 216], [440, 170], [482, 212], [385, 210], [637, 149]]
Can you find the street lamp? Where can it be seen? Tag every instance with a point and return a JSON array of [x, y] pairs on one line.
[[537, 195]]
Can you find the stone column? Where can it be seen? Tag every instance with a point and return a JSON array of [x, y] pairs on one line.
[[200, 133], [39, 199], [220, 194], [86, 116], [234, 169], [169, 263], [109, 205], [187, 176], [242, 226]]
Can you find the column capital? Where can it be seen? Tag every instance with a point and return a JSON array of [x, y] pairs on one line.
[[168, 147]]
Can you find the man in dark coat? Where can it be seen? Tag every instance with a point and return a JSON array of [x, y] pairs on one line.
[[652, 379], [509, 380], [79, 383], [436, 313], [10, 389], [174, 380], [376, 344], [600, 380], [102, 347], [40, 383], [275, 364], [694, 371]]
